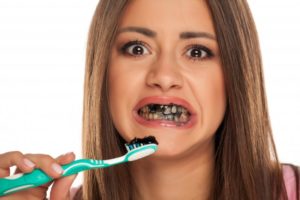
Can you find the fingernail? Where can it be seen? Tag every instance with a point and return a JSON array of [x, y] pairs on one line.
[[28, 163], [57, 168]]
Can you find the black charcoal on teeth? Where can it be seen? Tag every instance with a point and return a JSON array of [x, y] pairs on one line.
[[167, 110], [152, 108]]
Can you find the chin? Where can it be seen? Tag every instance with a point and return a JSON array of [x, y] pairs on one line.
[[170, 146], [175, 146]]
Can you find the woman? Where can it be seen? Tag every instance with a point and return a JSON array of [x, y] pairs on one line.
[[200, 57]]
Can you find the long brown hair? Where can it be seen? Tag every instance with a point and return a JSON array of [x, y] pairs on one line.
[[246, 162]]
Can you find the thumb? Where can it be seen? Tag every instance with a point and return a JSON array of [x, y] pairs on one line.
[[61, 188]]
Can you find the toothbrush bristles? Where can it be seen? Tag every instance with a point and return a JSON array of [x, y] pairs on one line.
[[138, 142]]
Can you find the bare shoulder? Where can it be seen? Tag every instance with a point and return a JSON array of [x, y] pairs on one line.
[[76, 193], [290, 171], [291, 180]]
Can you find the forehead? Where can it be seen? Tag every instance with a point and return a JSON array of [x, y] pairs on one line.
[[171, 15]]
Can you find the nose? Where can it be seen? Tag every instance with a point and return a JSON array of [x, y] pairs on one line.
[[165, 74]]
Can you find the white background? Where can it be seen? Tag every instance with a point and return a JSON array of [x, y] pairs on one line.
[[42, 55]]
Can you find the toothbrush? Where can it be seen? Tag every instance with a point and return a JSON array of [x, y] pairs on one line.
[[136, 149]]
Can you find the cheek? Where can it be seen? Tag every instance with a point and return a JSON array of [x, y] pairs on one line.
[[112, 88], [115, 87], [117, 96], [216, 100], [124, 84], [118, 83], [211, 98]]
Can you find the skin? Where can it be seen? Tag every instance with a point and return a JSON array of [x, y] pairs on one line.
[[182, 168], [60, 188]]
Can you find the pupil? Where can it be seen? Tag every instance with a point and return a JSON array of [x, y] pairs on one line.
[[196, 53], [138, 50]]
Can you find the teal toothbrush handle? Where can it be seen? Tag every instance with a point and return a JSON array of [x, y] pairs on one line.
[[37, 177], [20, 182]]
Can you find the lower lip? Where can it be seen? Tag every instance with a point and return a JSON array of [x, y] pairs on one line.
[[164, 123]]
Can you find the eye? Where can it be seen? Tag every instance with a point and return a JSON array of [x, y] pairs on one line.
[[199, 52], [135, 48]]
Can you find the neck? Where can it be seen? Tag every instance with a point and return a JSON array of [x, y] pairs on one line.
[[188, 177]]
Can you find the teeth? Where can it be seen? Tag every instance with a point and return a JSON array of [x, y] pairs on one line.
[[174, 109], [179, 109], [183, 117], [176, 118], [170, 112], [169, 117], [167, 110], [184, 111], [160, 116], [155, 116], [152, 115], [145, 109]]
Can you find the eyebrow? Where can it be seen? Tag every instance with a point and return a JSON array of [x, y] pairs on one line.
[[141, 30], [189, 35], [152, 34]]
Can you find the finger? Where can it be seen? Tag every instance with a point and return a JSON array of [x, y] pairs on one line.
[[62, 160], [46, 163], [4, 173], [65, 158], [14, 158], [36, 193], [61, 188]]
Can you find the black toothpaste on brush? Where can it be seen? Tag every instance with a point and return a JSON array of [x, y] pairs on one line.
[[137, 142]]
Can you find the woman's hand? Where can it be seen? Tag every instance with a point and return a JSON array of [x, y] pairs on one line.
[[26, 163]]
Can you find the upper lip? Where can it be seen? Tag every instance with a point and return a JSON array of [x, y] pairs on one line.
[[164, 100]]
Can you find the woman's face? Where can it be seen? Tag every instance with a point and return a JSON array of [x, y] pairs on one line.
[[165, 75]]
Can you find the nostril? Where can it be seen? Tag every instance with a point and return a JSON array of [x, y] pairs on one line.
[[164, 81]]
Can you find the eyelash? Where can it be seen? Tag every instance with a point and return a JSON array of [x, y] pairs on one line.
[[125, 47], [207, 51]]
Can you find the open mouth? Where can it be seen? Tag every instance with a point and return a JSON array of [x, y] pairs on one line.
[[172, 113]]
